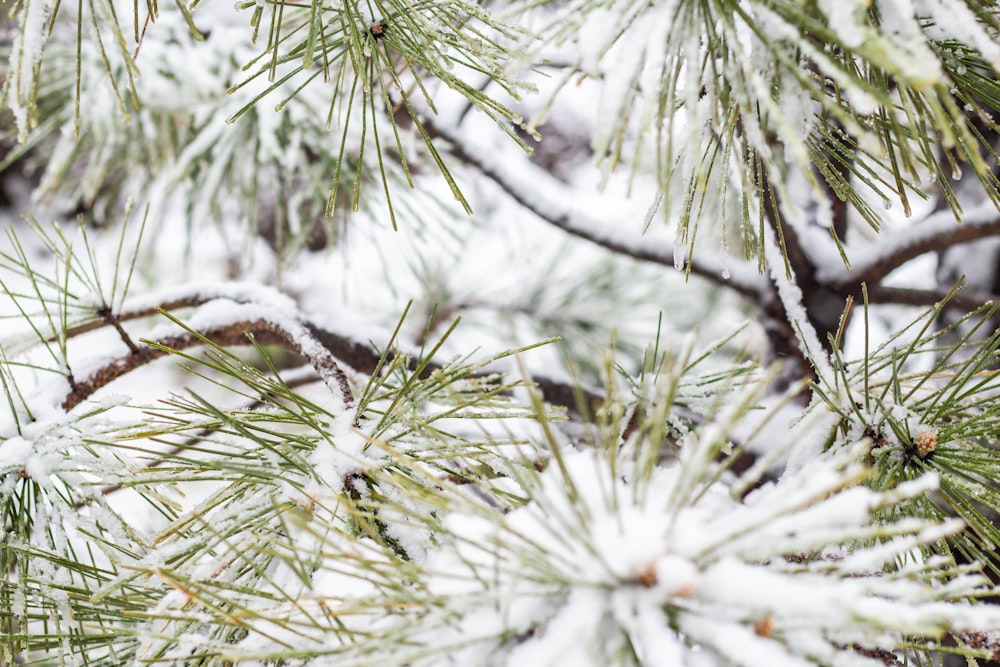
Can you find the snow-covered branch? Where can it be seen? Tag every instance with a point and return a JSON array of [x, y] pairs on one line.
[[549, 199], [232, 331], [793, 306], [339, 349], [888, 252], [228, 314]]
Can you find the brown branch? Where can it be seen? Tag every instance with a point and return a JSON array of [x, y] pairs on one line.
[[937, 233], [108, 316], [193, 300], [986, 641], [123, 316], [966, 301], [361, 357], [564, 218], [354, 354], [230, 334], [358, 356]]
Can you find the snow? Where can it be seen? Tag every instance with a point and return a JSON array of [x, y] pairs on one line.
[[874, 255], [717, 589], [541, 193], [575, 547], [913, 57], [14, 452], [951, 20], [222, 305], [335, 460], [24, 63], [791, 300]]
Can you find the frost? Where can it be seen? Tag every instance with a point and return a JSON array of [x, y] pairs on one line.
[[21, 84], [14, 452], [611, 567], [847, 17], [952, 20]]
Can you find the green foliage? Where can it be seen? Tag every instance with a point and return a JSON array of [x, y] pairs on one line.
[[927, 400], [293, 488], [350, 100], [727, 99]]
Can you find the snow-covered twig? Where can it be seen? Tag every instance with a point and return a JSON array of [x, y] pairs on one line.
[[937, 232], [346, 348], [238, 332], [269, 316], [545, 196]]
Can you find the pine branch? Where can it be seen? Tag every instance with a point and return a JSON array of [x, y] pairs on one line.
[[935, 233], [266, 331], [530, 186], [965, 301], [292, 381], [361, 357]]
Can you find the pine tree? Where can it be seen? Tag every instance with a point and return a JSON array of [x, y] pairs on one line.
[[527, 333]]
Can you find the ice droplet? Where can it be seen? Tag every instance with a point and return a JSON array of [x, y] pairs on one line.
[[956, 172], [887, 203]]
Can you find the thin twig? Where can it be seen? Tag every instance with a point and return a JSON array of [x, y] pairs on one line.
[[937, 232], [109, 318], [966, 300], [236, 333]]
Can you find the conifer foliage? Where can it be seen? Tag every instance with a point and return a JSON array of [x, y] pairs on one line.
[[532, 333]]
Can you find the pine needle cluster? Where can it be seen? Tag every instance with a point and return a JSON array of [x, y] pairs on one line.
[[290, 458]]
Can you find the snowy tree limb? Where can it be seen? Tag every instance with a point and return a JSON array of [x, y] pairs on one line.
[[359, 356], [530, 186], [264, 331], [347, 351], [937, 232], [966, 300]]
